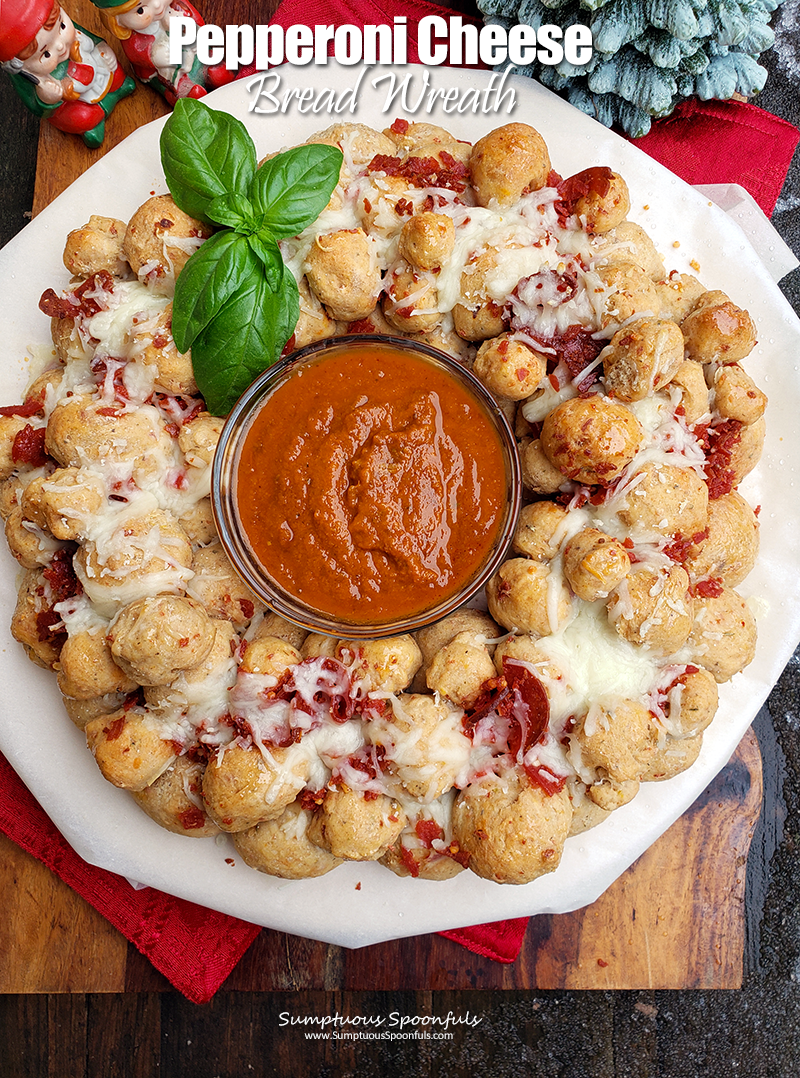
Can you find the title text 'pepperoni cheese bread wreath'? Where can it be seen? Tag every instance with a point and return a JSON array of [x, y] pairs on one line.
[[482, 741]]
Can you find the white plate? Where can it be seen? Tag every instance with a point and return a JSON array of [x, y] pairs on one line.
[[108, 829]]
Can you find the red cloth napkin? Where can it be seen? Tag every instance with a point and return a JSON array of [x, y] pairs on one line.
[[196, 948]]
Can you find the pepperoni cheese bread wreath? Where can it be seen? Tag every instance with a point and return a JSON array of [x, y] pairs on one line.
[[482, 741]]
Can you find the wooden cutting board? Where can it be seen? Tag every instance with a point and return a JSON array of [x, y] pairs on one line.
[[675, 919]]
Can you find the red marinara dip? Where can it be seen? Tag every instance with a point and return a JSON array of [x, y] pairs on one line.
[[371, 485]]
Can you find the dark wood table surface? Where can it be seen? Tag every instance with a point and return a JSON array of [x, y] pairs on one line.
[[709, 907]]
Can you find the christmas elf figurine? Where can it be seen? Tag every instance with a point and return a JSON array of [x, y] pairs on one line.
[[142, 27], [61, 71]]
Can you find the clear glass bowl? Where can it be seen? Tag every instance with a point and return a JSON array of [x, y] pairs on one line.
[[224, 491]]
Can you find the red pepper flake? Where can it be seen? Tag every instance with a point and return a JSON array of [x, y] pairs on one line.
[[408, 861], [230, 861], [114, 729], [681, 546], [367, 206], [602, 963], [311, 800], [28, 446], [400, 126], [404, 207], [247, 607], [192, 819], [358, 886]]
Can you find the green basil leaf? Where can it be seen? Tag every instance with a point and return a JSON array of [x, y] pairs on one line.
[[205, 154], [245, 337], [292, 189], [234, 211], [265, 247], [206, 283]]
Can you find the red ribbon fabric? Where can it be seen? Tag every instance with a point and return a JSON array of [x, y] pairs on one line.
[[196, 948]]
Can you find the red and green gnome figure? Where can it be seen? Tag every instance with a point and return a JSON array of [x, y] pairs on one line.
[[142, 27], [61, 71]]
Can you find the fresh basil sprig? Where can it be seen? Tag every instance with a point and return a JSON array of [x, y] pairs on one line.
[[235, 303]]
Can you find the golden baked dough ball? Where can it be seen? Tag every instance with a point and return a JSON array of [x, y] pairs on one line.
[[717, 331], [38, 389], [424, 742], [590, 439], [653, 609], [617, 740], [81, 712], [96, 246], [314, 323], [220, 589], [343, 273], [29, 544], [356, 828], [411, 300], [87, 667], [387, 665], [522, 596], [477, 316], [736, 396], [199, 685], [630, 292], [199, 524], [595, 564], [317, 646], [628, 242], [81, 431], [601, 209], [507, 163], [609, 795], [513, 833], [281, 847], [642, 358], [155, 638], [694, 391], [241, 788], [723, 637], [540, 530], [746, 454], [667, 501], [274, 625], [141, 555], [198, 439], [691, 703], [434, 637], [427, 240], [672, 758], [458, 670], [64, 502], [128, 748], [510, 368], [539, 475], [154, 345], [678, 293], [525, 649], [269, 655], [174, 800], [33, 600], [730, 551], [10, 426], [362, 142], [160, 239]]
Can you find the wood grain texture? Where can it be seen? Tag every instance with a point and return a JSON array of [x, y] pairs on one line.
[[674, 919]]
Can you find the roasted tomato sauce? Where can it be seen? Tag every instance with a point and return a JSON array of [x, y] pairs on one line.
[[371, 487]]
